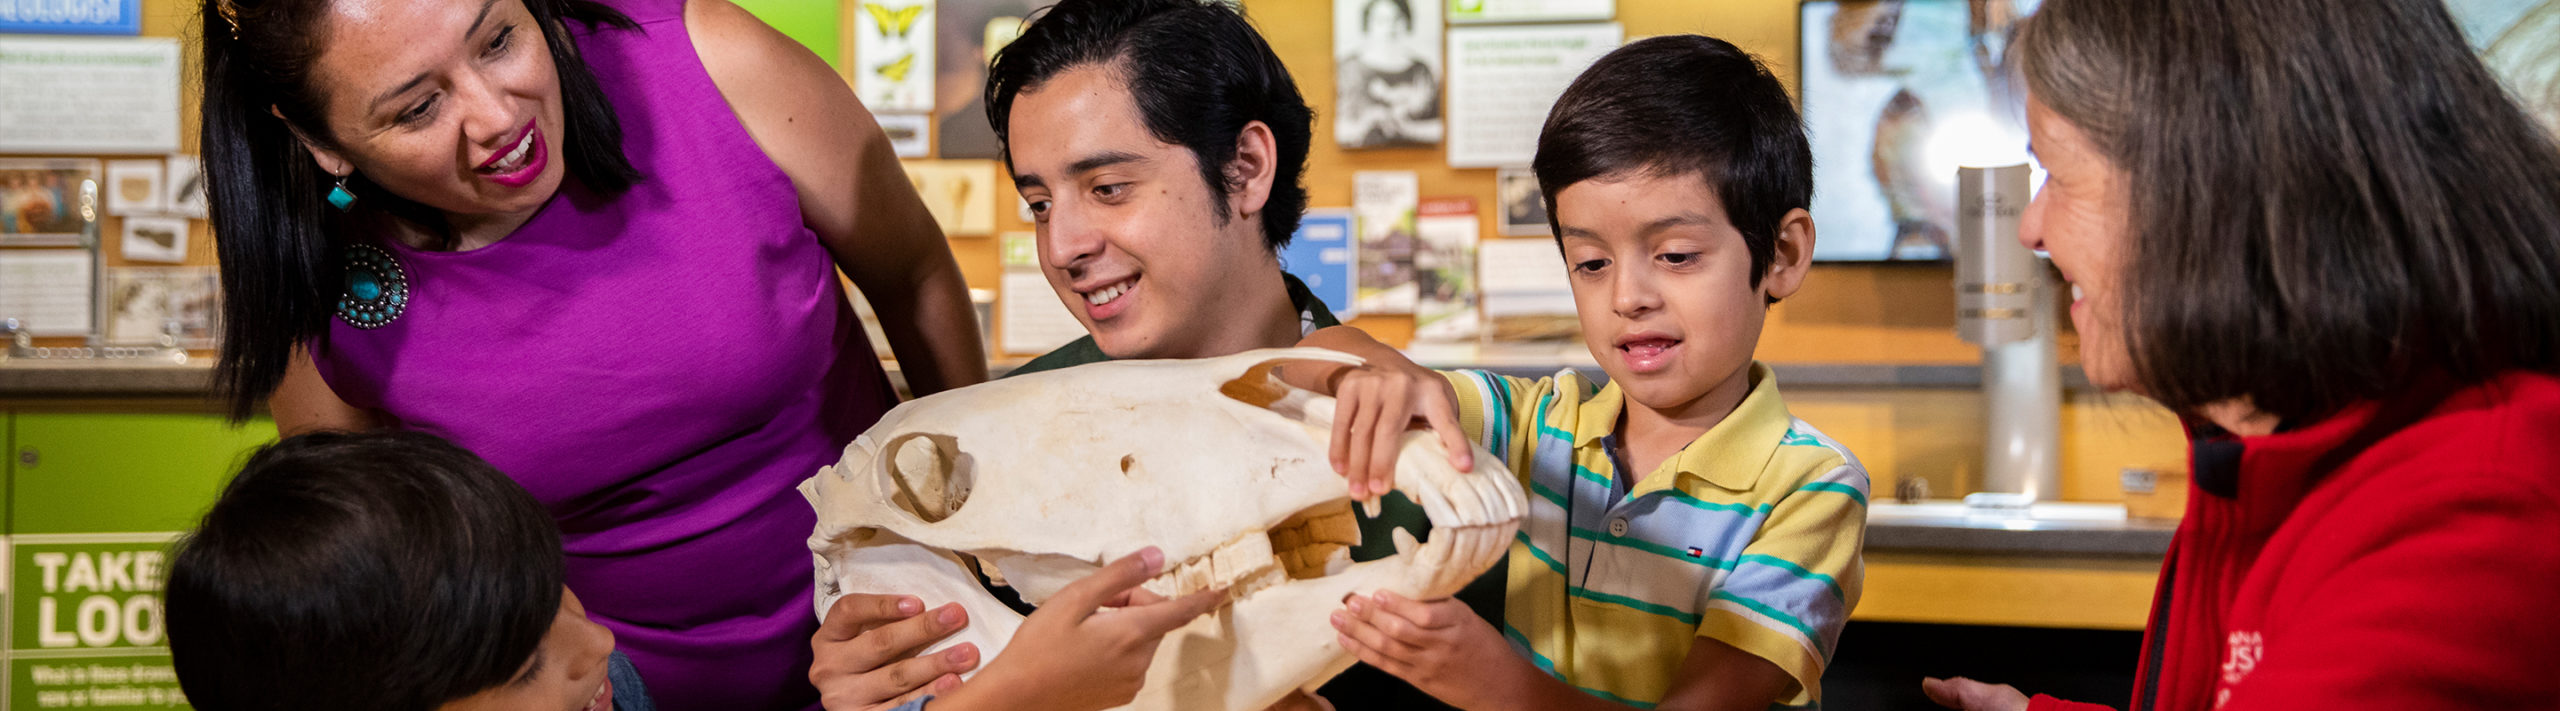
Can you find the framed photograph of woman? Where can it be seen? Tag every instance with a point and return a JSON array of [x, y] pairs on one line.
[[1387, 72]]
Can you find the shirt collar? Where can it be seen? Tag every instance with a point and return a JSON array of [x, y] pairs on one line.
[[1730, 455], [2271, 474], [1312, 314]]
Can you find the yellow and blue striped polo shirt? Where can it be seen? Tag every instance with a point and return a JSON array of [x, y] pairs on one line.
[[1749, 536]]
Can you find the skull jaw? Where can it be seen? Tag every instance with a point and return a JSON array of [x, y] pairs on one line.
[[888, 564]]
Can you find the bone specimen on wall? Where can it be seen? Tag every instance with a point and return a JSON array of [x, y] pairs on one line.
[[1046, 476]]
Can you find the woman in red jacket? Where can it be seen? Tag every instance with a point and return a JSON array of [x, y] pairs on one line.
[[2321, 232]]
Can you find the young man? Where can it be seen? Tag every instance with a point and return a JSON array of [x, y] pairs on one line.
[[1690, 544], [1161, 145]]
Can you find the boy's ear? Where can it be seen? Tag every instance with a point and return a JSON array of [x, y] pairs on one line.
[[330, 161], [1792, 256], [1250, 174]]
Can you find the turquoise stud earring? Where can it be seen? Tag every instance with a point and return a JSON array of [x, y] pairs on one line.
[[339, 197]]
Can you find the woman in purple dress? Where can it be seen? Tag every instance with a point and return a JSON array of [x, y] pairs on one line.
[[598, 246]]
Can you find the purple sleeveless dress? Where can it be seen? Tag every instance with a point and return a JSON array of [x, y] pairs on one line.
[[659, 369]]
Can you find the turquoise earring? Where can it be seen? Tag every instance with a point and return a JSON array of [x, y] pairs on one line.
[[339, 197]]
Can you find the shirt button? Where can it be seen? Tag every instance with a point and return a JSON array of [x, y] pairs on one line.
[[1617, 527]]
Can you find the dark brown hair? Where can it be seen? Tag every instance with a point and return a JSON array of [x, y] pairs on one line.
[[382, 570], [1683, 105], [2328, 198]]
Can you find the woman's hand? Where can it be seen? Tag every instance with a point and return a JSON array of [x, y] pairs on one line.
[[1088, 647], [1970, 695], [862, 652]]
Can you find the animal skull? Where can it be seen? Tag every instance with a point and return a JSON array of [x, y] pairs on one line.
[[1047, 476]]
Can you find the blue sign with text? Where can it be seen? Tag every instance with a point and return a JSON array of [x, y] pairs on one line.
[[1321, 255], [71, 17]]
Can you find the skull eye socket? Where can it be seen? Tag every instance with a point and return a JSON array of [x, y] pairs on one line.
[[932, 477]]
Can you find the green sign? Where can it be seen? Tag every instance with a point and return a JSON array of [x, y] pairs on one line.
[[86, 629], [117, 682]]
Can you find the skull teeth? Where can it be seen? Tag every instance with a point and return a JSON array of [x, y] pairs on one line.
[[1475, 518], [1242, 566], [1317, 542]]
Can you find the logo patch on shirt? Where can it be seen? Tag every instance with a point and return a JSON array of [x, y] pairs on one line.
[[2240, 656], [1697, 553]]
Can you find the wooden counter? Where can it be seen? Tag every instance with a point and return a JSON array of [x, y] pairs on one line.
[[2088, 569]]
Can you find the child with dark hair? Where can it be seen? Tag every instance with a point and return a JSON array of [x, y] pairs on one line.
[[396, 571], [1691, 545], [392, 571]]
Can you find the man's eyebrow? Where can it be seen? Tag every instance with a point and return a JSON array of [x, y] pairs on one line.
[[1088, 164], [1104, 160]]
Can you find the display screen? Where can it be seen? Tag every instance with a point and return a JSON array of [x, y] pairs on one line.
[[2520, 41], [1897, 95]]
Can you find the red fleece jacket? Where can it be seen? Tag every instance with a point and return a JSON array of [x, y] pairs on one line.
[[2403, 554]]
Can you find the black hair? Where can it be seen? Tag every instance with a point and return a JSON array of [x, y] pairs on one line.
[[386, 570], [2328, 199], [1198, 71], [1403, 8], [1684, 105], [278, 240]]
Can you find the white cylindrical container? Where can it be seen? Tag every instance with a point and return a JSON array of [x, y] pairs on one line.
[[2004, 303], [1995, 274]]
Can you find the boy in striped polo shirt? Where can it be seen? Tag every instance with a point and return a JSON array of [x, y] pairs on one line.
[[1690, 544]]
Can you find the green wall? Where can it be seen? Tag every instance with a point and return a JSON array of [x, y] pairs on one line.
[[92, 502], [812, 22]]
